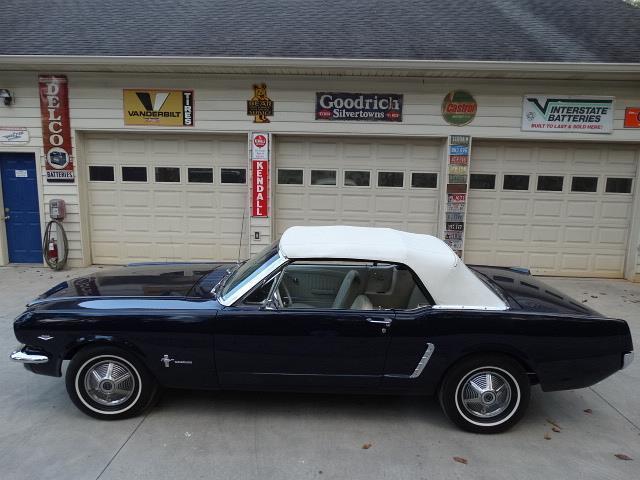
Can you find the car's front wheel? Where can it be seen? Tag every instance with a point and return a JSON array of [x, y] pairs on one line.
[[485, 393], [109, 383]]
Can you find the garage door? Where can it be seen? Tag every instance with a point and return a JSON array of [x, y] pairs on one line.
[[165, 198], [367, 182], [557, 208]]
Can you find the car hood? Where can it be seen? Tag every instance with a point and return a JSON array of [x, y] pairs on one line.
[[525, 292], [157, 280]]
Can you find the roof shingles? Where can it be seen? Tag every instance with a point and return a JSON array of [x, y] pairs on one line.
[[494, 30]]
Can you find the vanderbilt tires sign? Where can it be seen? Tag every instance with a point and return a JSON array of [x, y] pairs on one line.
[[163, 108]]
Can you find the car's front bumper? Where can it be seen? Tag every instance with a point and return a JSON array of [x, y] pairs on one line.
[[22, 355]]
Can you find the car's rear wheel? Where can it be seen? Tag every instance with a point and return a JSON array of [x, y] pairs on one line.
[[109, 383], [485, 393]]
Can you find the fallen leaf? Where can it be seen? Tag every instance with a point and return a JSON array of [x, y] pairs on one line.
[[366, 446], [555, 429], [594, 296], [553, 423], [588, 410], [547, 436], [584, 301], [622, 456], [460, 460]]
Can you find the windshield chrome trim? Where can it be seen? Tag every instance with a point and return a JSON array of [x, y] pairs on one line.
[[238, 294]]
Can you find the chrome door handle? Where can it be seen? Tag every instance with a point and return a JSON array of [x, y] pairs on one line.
[[380, 321]]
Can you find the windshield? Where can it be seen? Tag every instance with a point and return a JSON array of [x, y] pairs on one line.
[[250, 269]]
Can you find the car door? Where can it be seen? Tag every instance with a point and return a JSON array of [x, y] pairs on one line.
[[301, 347]]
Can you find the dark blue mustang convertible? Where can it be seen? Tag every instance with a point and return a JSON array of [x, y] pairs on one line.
[[336, 309]]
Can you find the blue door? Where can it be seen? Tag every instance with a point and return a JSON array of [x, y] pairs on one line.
[[21, 211]]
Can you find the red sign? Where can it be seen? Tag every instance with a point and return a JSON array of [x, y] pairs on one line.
[[632, 117], [56, 129], [260, 205]]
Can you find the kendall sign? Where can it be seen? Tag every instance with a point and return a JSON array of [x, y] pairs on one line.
[[372, 107], [56, 130], [260, 149], [567, 114]]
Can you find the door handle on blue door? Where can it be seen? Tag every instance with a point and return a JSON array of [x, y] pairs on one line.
[[381, 321]]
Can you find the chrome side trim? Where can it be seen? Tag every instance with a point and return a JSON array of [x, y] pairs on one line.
[[22, 357], [627, 358], [423, 361], [467, 307]]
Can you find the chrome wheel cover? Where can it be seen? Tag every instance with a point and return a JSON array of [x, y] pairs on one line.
[[109, 383], [485, 394]]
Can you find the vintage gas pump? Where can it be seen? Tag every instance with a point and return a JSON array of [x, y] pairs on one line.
[[54, 245]]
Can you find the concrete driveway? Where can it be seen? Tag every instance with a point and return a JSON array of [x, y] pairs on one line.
[[291, 436]]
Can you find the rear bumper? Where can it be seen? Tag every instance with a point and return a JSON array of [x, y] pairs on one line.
[[627, 358]]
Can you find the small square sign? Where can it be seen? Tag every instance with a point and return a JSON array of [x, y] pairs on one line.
[[632, 117]]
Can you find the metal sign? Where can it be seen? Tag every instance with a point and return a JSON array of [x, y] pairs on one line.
[[260, 155], [370, 107], [260, 106], [56, 129], [541, 113], [632, 117], [459, 108], [160, 108], [14, 135]]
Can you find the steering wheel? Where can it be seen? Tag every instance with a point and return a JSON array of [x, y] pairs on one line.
[[285, 296]]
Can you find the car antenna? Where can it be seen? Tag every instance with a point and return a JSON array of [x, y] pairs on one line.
[[241, 232]]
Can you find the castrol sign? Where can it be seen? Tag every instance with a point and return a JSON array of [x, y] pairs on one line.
[[56, 130]]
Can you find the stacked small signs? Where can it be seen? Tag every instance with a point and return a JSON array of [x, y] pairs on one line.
[[372, 107], [56, 129], [458, 150], [260, 153]]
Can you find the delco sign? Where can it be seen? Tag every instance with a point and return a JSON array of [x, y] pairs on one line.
[[371, 107], [56, 130]]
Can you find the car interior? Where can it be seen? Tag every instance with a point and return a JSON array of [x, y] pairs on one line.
[[350, 286]]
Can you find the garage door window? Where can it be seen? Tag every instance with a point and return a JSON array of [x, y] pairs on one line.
[[550, 183], [101, 173], [483, 181], [288, 176], [424, 180], [618, 185], [323, 177], [167, 174], [390, 179], [584, 184], [200, 175], [233, 175], [134, 174], [515, 182], [357, 178]]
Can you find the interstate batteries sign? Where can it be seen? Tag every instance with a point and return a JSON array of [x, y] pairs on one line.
[[371, 107], [162, 108], [567, 114]]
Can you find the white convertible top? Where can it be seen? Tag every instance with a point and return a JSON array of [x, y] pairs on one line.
[[447, 278]]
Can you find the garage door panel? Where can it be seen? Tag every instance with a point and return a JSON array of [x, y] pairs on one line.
[[556, 233], [134, 222]]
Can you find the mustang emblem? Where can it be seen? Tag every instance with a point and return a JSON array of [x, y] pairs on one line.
[[45, 337], [166, 360]]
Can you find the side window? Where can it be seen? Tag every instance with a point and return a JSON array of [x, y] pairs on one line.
[[260, 294], [348, 286]]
